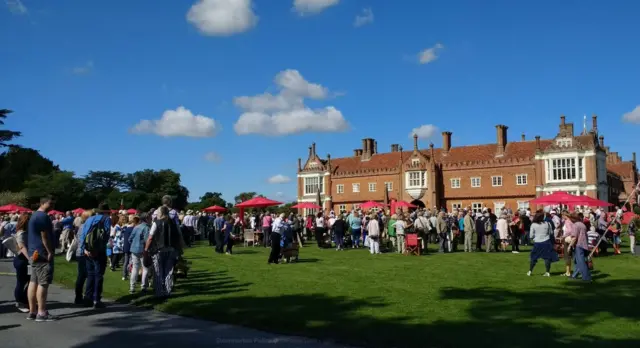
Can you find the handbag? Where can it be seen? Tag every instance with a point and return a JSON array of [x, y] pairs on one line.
[[146, 260]]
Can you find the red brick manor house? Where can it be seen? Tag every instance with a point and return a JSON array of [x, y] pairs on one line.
[[496, 175]]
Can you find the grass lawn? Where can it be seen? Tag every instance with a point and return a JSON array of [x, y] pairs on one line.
[[391, 300]]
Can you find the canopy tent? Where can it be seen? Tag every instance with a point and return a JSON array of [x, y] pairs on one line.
[[403, 204], [306, 205], [78, 211], [132, 211], [371, 204], [257, 202], [214, 209], [14, 208], [55, 212], [592, 202]]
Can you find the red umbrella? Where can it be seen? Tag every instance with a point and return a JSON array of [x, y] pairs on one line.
[[55, 212], [371, 204], [215, 209], [592, 202], [10, 208], [306, 205], [78, 211], [132, 211], [258, 202], [557, 197]]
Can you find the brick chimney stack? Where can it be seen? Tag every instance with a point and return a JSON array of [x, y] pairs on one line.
[[523, 137], [375, 146], [313, 149], [299, 164], [310, 151], [415, 142], [501, 137], [394, 147], [594, 123], [446, 142], [367, 149], [602, 141], [562, 120], [537, 142], [633, 157]]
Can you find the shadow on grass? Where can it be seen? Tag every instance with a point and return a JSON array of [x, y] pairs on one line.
[[495, 317]]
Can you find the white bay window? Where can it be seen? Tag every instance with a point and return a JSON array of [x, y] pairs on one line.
[[565, 169], [416, 179], [312, 184]]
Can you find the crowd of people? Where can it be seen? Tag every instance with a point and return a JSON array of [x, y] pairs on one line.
[[147, 246]]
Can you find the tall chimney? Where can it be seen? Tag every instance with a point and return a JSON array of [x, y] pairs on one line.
[[415, 142], [501, 136], [523, 137], [367, 148], [310, 151], [446, 142], [633, 157], [375, 146], [431, 151], [562, 120], [394, 147], [313, 148], [537, 142], [299, 164], [602, 141], [365, 145], [594, 123]]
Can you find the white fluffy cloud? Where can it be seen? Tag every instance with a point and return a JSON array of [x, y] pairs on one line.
[[312, 6], [425, 131], [279, 179], [16, 7], [179, 122], [285, 113], [222, 17], [363, 18], [212, 157], [430, 54], [632, 116]]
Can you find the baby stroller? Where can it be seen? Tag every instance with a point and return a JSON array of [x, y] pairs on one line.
[[289, 250]]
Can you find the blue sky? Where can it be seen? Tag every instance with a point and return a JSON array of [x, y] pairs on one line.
[[82, 75]]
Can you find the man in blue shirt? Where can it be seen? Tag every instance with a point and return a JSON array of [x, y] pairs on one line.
[[40, 238], [218, 224], [67, 232], [95, 261]]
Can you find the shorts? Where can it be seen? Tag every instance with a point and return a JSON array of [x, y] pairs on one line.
[[42, 273]]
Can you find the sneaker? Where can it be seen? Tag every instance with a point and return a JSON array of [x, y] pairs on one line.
[[45, 317], [546, 274], [98, 305], [31, 316], [22, 308], [529, 274]]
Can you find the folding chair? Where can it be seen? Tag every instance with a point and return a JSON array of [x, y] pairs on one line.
[[412, 245], [249, 238]]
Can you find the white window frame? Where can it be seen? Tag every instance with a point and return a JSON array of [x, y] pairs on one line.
[[389, 185], [416, 179], [477, 207], [522, 179], [495, 179], [565, 169], [340, 188], [311, 183], [355, 188], [342, 207], [523, 205], [372, 187], [457, 181], [456, 206], [479, 181]]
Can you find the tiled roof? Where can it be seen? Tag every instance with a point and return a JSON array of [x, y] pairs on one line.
[[623, 169], [457, 154]]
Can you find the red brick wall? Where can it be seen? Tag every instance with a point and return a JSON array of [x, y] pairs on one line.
[[508, 188], [364, 194]]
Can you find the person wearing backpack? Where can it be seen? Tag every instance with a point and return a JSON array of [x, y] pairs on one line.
[[164, 244], [92, 243]]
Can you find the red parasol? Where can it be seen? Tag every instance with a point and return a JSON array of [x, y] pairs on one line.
[[306, 205], [371, 204], [258, 202], [78, 211], [557, 197], [132, 211], [592, 202], [10, 208], [55, 212], [214, 209]]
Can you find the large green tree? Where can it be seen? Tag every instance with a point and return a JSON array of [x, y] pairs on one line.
[[67, 190], [245, 196], [18, 164], [102, 183], [207, 200], [6, 135], [154, 185]]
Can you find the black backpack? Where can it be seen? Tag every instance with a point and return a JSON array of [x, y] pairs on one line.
[[95, 241]]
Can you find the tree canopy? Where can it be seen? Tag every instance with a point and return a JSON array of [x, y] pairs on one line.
[[6, 135]]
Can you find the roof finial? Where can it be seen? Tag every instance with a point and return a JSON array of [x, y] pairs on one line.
[[415, 141]]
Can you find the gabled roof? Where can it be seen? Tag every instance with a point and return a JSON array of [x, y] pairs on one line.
[[623, 169]]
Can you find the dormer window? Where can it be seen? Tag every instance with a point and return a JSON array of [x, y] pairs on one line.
[[564, 142], [415, 162]]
